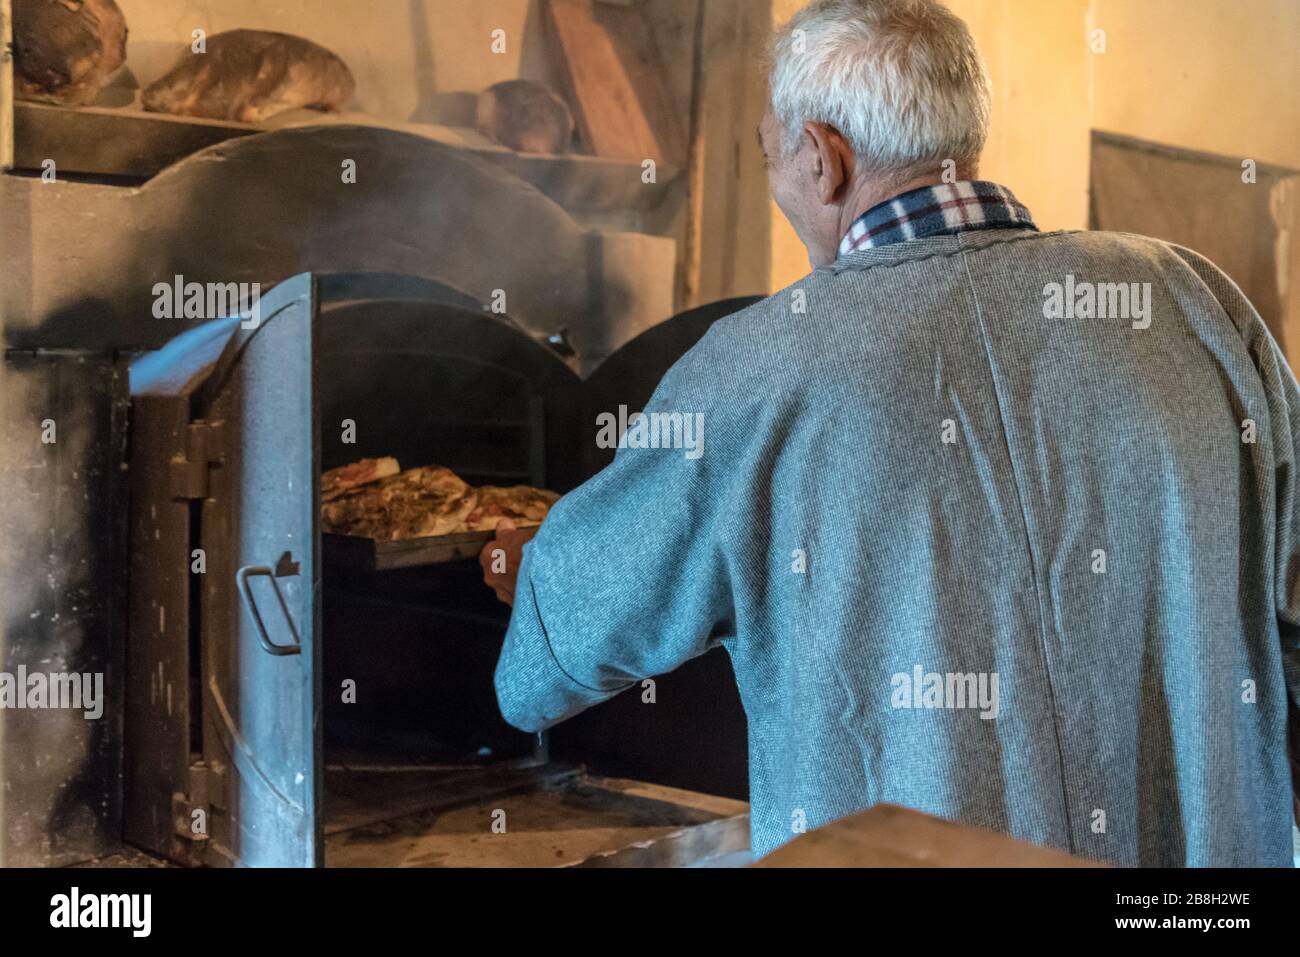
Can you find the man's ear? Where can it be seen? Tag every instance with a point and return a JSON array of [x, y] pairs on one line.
[[832, 163]]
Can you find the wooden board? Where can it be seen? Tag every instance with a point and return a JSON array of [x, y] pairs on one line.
[[616, 82], [131, 143], [891, 836], [112, 142], [376, 556], [6, 88]]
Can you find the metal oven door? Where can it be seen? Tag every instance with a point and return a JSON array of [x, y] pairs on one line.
[[260, 663]]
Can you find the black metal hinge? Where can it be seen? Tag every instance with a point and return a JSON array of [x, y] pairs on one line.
[[190, 472]]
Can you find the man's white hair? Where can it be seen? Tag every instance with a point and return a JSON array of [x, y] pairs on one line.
[[901, 79]]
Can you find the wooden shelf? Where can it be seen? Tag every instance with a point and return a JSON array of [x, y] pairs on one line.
[[111, 142], [133, 144]]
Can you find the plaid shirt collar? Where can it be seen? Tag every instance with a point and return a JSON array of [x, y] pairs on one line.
[[942, 210]]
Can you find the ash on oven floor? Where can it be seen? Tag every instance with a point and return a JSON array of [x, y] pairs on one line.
[[542, 816]]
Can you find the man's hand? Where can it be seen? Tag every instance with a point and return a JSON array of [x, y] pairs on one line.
[[500, 559]]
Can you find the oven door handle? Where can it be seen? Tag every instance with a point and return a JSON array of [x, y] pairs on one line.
[[246, 593]]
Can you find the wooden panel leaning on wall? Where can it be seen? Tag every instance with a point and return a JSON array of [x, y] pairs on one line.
[[6, 89]]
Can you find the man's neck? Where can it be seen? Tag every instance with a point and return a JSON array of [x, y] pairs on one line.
[[870, 193]]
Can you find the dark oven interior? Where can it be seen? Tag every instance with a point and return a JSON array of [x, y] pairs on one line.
[[428, 384]]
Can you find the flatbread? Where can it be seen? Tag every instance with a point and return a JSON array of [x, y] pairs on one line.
[[336, 482], [520, 503], [417, 503]]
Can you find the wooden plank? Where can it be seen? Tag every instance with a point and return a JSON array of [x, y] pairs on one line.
[[112, 142], [688, 289], [616, 82], [733, 182], [6, 87], [708, 804], [891, 836], [1284, 199], [369, 554], [136, 144]]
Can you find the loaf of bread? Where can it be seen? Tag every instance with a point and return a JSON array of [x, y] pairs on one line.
[[525, 116], [66, 51], [250, 75]]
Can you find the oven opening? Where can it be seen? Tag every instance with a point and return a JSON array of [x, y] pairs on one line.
[[411, 724], [420, 769]]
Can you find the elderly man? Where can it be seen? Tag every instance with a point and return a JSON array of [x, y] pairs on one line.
[[997, 524]]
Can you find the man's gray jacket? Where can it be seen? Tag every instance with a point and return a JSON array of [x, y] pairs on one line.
[[1036, 574]]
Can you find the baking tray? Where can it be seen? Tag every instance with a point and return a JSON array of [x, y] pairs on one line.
[[377, 556]]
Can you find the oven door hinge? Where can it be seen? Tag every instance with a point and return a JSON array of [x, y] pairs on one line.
[[190, 471], [191, 812]]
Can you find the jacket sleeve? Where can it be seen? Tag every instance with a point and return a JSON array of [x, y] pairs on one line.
[[627, 577], [1282, 401], [1284, 413]]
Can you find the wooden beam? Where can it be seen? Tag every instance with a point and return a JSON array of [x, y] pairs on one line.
[[688, 289], [6, 87], [615, 79]]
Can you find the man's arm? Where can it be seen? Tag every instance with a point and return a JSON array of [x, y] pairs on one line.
[[628, 576], [1284, 409], [1282, 394]]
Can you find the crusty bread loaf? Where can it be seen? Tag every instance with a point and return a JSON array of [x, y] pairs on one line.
[[66, 51], [250, 75], [525, 116]]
